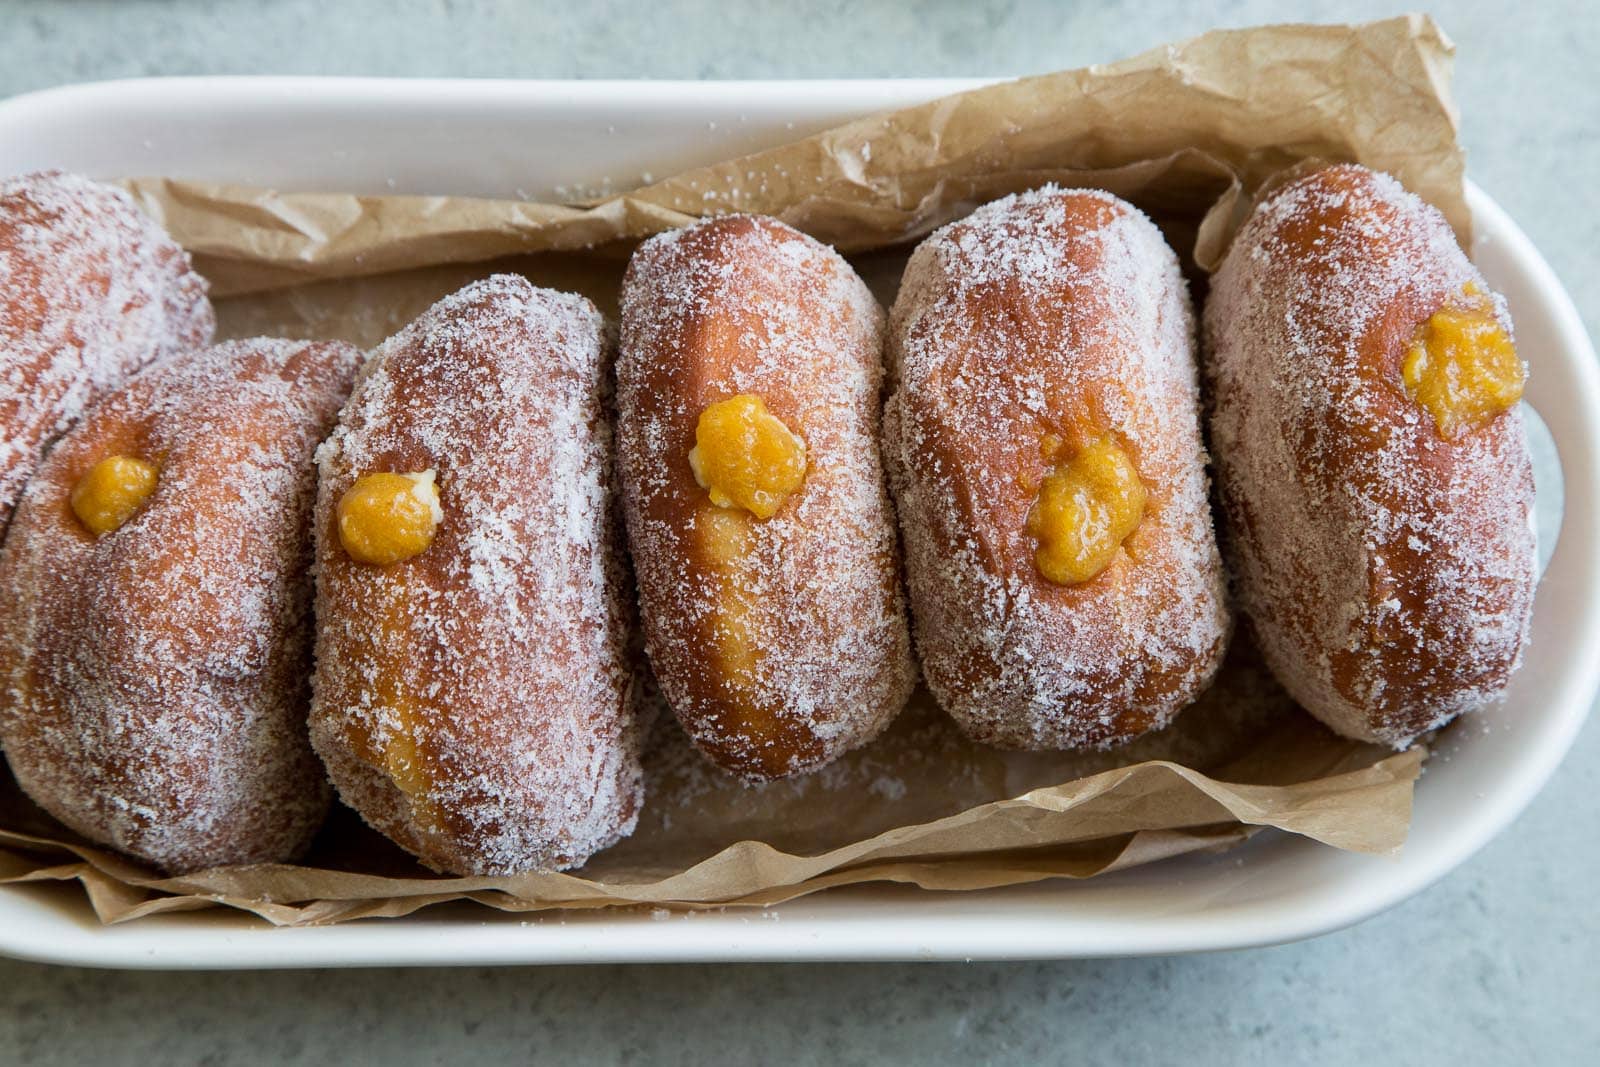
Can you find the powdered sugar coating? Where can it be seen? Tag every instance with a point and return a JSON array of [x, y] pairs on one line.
[[1036, 314], [500, 651], [747, 305], [91, 290], [1389, 572], [156, 679]]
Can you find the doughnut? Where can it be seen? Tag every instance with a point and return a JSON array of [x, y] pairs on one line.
[[155, 610], [473, 697], [762, 534], [92, 291], [1371, 458], [1043, 443]]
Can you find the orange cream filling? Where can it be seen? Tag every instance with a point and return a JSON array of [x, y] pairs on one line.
[[1462, 368], [1087, 506], [745, 457], [111, 492], [386, 518]]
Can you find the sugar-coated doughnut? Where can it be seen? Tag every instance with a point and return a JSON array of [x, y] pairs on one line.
[[91, 290], [1043, 442], [155, 609], [473, 697], [1371, 457], [762, 533]]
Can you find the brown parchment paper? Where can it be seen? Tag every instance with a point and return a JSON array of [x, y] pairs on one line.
[[1185, 130], [1189, 132]]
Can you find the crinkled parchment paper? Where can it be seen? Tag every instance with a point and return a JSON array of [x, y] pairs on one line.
[[1190, 132]]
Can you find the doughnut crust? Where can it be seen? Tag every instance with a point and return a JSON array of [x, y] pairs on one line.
[[475, 702], [1048, 320], [792, 647], [156, 678], [91, 289], [1388, 571]]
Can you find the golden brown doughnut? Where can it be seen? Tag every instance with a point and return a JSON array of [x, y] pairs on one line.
[[1372, 462], [747, 395], [473, 696], [1043, 442], [156, 673], [91, 290]]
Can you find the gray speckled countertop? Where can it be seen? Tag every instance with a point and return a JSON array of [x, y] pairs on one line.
[[1496, 963]]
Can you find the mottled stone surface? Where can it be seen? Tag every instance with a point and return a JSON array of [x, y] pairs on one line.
[[1496, 964]]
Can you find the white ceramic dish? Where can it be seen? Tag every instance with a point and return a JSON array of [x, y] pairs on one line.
[[540, 138]]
